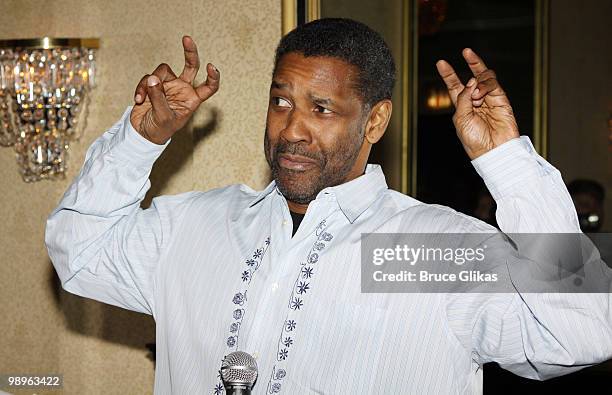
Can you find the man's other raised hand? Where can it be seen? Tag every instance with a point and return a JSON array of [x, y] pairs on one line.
[[483, 116], [164, 102]]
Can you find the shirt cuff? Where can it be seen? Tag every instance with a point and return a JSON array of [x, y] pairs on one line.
[[511, 163], [128, 145]]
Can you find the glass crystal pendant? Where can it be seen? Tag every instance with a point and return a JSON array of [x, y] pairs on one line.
[[44, 95]]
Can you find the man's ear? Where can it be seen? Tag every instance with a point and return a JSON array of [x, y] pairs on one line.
[[380, 114]]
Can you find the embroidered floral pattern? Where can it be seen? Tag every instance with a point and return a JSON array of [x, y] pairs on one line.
[[240, 299], [246, 275], [280, 373], [307, 272], [303, 287], [297, 301]]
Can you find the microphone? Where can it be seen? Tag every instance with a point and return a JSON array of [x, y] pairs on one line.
[[238, 373]]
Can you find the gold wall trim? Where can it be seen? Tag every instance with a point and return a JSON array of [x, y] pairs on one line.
[[288, 16], [408, 75], [50, 42], [405, 96], [540, 86], [313, 10], [289, 13]]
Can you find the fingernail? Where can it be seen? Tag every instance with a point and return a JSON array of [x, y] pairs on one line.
[[152, 81], [471, 82], [476, 92], [138, 98], [214, 68]]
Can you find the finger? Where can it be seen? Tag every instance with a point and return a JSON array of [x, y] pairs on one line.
[[163, 72], [464, 100], [452, 81], [474, 62], [486, 87], [161, 111], [477, 103], [192, 60], [211, 85], [486, 75], [141, 90]]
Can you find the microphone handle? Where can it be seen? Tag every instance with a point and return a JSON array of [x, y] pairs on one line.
[[238, 391]]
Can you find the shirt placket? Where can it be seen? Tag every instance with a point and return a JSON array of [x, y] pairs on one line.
[[303, 269]]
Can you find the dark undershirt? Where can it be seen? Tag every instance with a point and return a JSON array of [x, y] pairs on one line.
[[297, 220]]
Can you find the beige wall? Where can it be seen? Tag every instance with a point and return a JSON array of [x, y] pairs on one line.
[[581, 92], [100, 349]]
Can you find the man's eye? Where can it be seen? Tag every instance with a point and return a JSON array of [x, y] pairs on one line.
[[279, 101], [322, 110]]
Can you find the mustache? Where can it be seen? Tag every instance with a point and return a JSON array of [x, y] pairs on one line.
[[285, 147]]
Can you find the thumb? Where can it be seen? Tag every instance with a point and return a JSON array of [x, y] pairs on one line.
[[161, 111], [464, 99]]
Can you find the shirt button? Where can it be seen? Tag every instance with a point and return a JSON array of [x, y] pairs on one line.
[[284, 222], [274, 287], [256, 354]]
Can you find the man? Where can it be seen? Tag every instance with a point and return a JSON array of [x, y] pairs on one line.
[[222, 270]]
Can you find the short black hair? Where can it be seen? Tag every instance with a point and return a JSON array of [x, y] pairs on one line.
[[588, 187], [352, 42]]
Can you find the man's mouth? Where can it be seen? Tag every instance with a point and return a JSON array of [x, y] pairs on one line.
[[296, 162]]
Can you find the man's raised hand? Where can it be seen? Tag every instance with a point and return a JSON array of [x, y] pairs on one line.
[[483, 115], [164, 102]]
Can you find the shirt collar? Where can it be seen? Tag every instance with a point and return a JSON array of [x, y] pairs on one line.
[[353, 197], [262, 194]]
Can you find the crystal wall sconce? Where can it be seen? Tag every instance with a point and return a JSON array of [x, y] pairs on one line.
[[44, 92]]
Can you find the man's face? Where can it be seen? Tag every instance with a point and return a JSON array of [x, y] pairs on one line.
[[315, 126]]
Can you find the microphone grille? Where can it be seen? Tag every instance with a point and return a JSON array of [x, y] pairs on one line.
[[239, 367]]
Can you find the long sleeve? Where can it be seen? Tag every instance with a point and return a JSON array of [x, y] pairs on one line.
[[530, 194], [102, 244], [535, 335]]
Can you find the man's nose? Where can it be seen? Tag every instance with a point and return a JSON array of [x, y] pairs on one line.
[[297, 128]]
